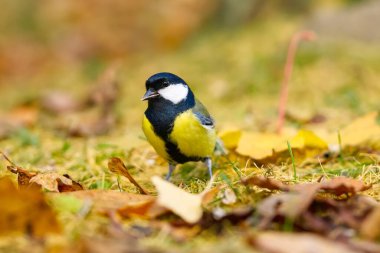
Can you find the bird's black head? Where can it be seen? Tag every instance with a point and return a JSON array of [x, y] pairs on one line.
[[166, 86]]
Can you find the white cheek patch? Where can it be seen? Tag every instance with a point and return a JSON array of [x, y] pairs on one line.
[[174, 92]]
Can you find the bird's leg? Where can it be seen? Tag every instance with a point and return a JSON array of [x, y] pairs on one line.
[[208, 163], [171, 169]]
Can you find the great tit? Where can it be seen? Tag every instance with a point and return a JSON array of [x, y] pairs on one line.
[[176, 124]]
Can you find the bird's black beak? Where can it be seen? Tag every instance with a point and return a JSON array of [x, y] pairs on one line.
[[150, 93]]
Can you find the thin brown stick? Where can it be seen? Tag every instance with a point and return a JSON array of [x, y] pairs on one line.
[[288, 69], [6, 158]]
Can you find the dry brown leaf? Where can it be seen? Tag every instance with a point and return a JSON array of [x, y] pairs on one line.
[[265, 182], [50, 181], [337, 185], [23, 176], [25, 211], [344, 185], [290, 205], [55, 182], [370, 227], [296, 243], [72, 186], [117, 166], [148, 209], [104, 201]]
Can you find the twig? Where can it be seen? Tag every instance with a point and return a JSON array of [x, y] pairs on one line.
[[292, 49], [6, 158]]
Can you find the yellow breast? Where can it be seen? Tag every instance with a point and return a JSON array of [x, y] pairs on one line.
[[192, 139], [157, 143]]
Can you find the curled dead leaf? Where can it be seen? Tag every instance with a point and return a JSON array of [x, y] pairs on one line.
[[117, 166], [344, 185], [50, 181], [265, 182], [23, 176]]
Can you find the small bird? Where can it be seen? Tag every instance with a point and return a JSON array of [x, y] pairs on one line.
[[176, 124]]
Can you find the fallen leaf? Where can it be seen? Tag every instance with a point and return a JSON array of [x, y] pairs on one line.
[[290, 205], [370, 227], [229, 197], [52, 181], [361, 130], [25, 211], [230, 137], [259, 145], [186, 205], [106, 200], [344, 185], [23, 176], [70, 187], [337, 185], [265, 182], [117, 166], [263, 145], [307, 139], [146, 209], [296, 243]]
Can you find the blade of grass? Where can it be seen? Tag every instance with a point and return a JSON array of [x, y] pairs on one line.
[[293, 162]]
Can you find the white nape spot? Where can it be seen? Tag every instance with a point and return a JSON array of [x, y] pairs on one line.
[[174, 92]]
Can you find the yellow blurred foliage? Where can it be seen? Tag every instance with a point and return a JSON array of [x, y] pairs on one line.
[[25, 211]]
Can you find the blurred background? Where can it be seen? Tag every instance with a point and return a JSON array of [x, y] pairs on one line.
[[54, 54]]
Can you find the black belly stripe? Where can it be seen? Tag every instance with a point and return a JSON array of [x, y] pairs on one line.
[[176, 155]]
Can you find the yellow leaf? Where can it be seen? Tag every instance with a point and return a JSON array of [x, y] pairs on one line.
[[230, 137], [307, 139], [259, 145], [359, 131], [263, 145]]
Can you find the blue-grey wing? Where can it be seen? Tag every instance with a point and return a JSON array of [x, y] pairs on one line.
[[202, 114]]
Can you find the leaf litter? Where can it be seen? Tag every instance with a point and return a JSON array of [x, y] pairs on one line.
[[333, 211]]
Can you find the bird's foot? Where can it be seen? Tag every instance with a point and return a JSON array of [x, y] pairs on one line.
[[170, 171], [208, 163]]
